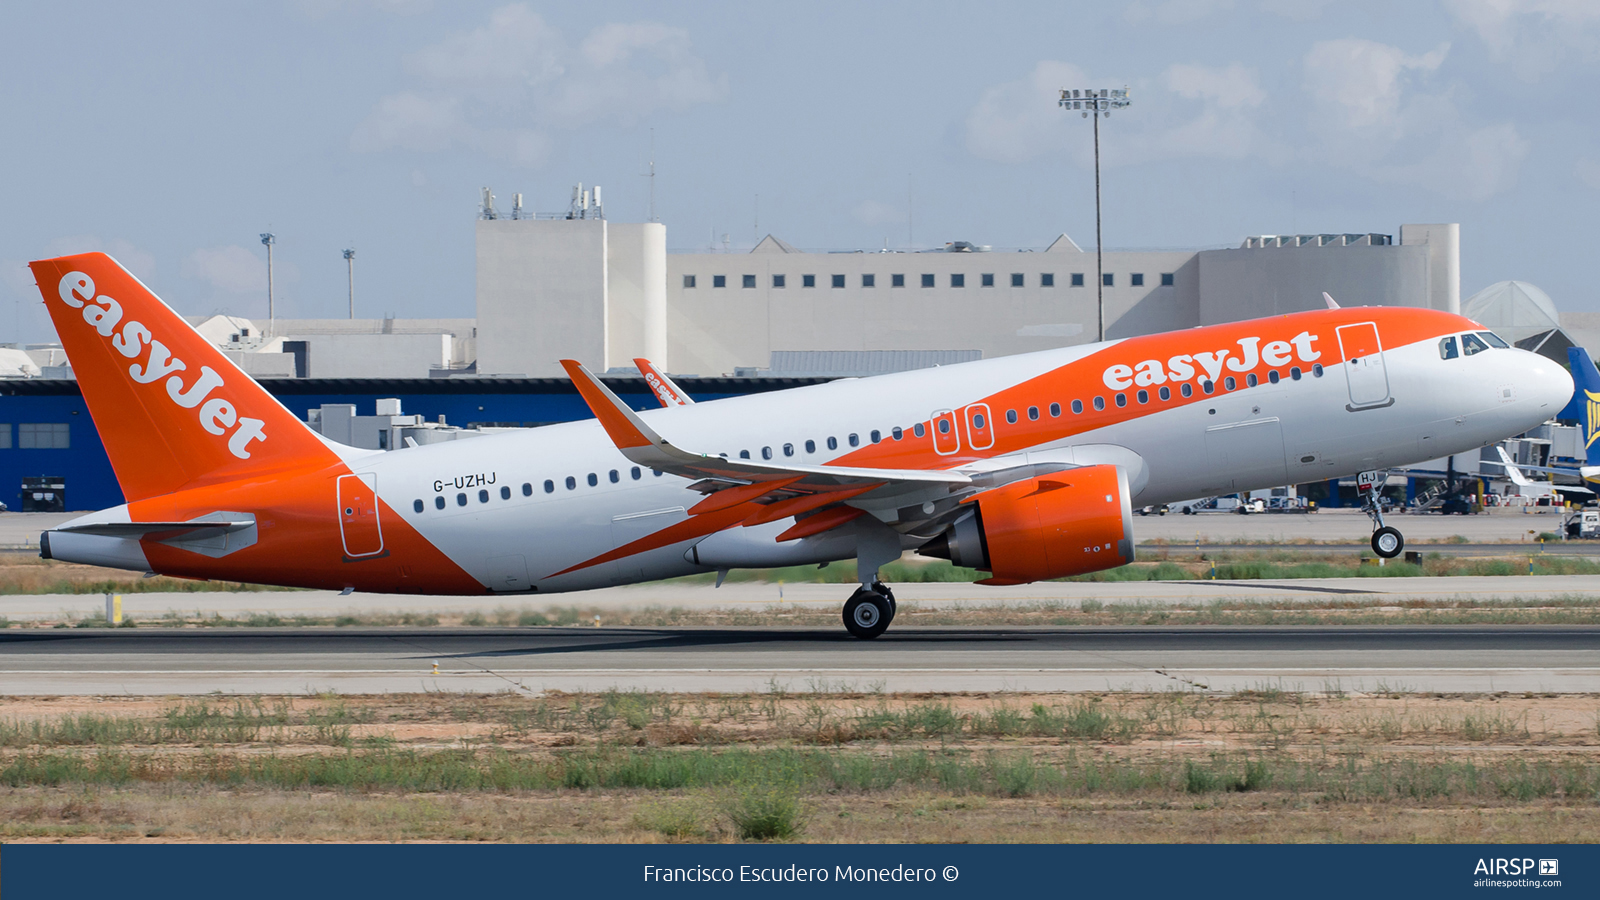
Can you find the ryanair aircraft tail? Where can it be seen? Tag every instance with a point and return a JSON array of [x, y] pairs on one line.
[[1585, 405]]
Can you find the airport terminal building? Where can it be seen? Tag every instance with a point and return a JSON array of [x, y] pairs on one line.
[[578, 285]]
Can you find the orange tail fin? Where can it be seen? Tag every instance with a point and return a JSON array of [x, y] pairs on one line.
[[171, 409]]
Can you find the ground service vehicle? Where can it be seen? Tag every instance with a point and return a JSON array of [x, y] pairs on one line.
[[1025, 467]]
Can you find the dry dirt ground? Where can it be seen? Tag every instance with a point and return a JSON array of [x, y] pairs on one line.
[[824, 765]]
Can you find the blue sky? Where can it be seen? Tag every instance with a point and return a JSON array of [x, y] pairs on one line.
[[171, 135]]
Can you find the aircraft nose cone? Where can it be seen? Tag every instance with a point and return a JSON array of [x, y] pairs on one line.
[[1549, 386]]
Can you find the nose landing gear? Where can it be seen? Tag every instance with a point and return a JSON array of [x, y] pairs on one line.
[[1387, 541], [869, 611]]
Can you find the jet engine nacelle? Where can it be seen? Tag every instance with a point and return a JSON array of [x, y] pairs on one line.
[[1065, 523]]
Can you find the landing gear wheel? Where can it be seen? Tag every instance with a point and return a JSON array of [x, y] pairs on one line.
[[867, 614], [1387, 542], [883, 591]]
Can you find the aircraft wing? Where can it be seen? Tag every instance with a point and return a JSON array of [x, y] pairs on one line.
[[663, 387], [644, 446]]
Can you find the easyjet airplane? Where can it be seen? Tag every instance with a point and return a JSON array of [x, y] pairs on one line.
[[1026, 467]]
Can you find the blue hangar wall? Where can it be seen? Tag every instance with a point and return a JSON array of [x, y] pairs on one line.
[[28, 450]]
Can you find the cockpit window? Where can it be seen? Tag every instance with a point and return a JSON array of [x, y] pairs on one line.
[[1447, 348], [1471, 343], [1494, 340]]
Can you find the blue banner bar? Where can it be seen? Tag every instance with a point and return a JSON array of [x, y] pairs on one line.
[[452, 872]]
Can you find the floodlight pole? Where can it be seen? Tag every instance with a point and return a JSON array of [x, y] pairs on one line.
[[269, 239], [1096, 103], [350, 262]]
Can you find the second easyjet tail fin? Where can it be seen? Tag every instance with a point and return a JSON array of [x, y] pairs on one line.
[[171, 409], [663, 387]]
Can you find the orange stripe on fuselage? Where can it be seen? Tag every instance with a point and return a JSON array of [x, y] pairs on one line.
[[298, 540], [1085, 379]]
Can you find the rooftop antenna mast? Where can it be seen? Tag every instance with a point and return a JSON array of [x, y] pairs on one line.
[[269, 239], [350, 263]]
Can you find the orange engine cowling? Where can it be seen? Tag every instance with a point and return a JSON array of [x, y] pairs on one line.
[[1065, 523]]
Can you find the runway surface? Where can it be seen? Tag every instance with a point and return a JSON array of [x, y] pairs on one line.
[[533, 660], [753, 594]]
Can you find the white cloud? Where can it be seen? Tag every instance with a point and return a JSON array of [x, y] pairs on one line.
[[141, 263], [1532, 37], [1371, 111], [505, 88], [1229, 87], [230, 270], [1192, 110], [1589, 172], [1357, 84], [1019, 120]]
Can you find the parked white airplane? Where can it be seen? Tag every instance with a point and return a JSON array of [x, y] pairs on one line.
[[1026, 466]]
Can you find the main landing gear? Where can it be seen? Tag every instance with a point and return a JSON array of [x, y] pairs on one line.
[[869, 610], [1387, 542]]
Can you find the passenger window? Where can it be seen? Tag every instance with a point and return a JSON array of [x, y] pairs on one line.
[[918, 430], [1122, 400], [833, 443], [1011, 417], [1229, 384], [1471, 345], [593, 479], [1316, 369], [572, 483], [1144, 396], [944, 426], [875, 436], [1187, 389], [1251, 380], [1077, 407], [549, 486], [1207, 386], [766, 452], [897, 433], [527, 489], [788, 449], [1295, 373], [1033, 413], [656, 472], [438, 502], [417, 506], [638, 474], [1166, 393], [615, 477], [461, 499], [977, 421], [854, 441], [1274, 377], [505, 493], [1494, 340], [1447, 348], [744, 454], [1055, 410], [811, 446], [1099, 403], [483, 496]]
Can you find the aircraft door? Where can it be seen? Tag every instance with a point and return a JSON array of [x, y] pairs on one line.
[[1364, 366], [946, 437], [980, 431], [358, 515]]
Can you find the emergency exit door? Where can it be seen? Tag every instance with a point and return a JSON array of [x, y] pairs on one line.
[[358, 515], [1363, 366]]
